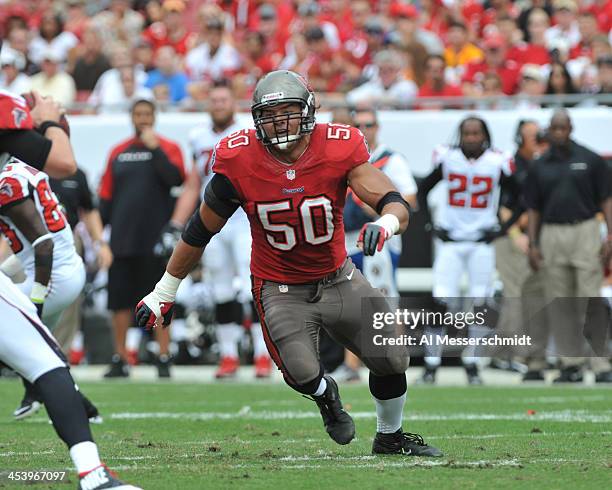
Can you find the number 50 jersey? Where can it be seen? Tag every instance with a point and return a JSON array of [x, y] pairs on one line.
[[295, 211], [19, 181]]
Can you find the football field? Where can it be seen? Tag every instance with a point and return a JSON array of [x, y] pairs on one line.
[[247, 435]]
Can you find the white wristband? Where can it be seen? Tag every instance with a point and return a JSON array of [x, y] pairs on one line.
[[11, 266], [390, 223], [166, 287], [38, 293], [40, 239]]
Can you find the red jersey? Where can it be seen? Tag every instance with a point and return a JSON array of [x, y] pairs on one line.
[[295, 211], [14, 112]]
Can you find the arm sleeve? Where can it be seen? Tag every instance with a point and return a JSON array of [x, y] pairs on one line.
[[168, 162], [27, 145], [221, 196], [429, 182], [532, 191], [85, 199]]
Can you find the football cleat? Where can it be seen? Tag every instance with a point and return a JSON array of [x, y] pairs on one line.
[[571, 374], [228, 367], [403, 443], [263, 367], [28, 407], [533, 375], [101, 478], [429, 376], [163, 366], [474, 379], [345, 374], [118, 368], [338, 424]]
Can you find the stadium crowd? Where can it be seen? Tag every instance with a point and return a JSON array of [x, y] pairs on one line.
[[100, 55]]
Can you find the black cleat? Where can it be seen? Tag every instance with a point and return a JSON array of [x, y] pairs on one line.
[[605, 377], [102, 478], [535, 375], [572, 374], [429, 376], [163, 366], [403, 443], [474, 379], [118, 368], [91, 410], [338, 424]]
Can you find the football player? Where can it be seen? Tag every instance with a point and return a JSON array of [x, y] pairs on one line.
[[42, 243], [467, 223], [228, 254], [290, 175], [29, 348]]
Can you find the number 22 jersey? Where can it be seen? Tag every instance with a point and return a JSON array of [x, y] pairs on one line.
[[295, 211], [19, 181]]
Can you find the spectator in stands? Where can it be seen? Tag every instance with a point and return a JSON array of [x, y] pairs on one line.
[[275, 35], [76, 17], [360, 58], [495, 52], [206, 13], [435, 17], [52, 35], [119, 85], [559, 83], [135, 199], [168, 73], [325, 71], [171, 30], [604, 74], [307, 18], [214, 60], [19, 40], [408, 33], [525, 14], [143, 55], [388, 87], [12, 79], [587, 25], [435, 83], [531, 86], [491, 87], [565, 28], [536, 50], [52, 80], [255, 62], [91, 62], [460, 51], [119, 23]]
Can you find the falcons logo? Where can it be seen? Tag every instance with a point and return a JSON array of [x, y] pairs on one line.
[[6, 189], [19, 116]]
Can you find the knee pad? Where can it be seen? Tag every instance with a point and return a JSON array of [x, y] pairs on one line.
[[387, 387], [230, 312], [308, 387]]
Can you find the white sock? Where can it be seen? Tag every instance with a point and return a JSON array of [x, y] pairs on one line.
[[259, 344], [432, 362], [85, 456], [228, 335], [77, 341], [132, 340], [389, 414], [322, 387]]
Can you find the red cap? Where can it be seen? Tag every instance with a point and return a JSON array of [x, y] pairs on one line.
[[404, 10]]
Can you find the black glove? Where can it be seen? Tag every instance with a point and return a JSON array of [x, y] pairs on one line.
[[168, 239], [372, 238], [489, 235]]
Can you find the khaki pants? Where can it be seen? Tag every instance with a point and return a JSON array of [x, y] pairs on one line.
[[572, 269], [523, 296]]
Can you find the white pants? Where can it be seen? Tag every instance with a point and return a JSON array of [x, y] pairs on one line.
[[227, 260], [453, 259], [67, 281], [26, 345]]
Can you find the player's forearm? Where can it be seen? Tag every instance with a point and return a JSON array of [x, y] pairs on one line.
[[400, 212], [61, 162], [43, 262], [533, 227], [93, 224], [606, 207], [186, 204], [183, 260]]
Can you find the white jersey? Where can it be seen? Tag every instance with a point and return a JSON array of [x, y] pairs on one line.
[[202, 141], [19, 181], [473, 187]]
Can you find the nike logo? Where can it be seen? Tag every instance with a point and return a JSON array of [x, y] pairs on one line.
[[350, 276]]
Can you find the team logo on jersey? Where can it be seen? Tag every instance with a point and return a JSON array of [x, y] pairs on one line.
[[19, 116], [6, 189], [291, 174]]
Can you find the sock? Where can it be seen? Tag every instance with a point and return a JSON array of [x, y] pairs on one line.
[[432, 362], [228, 335], [389, 414], [259, 344], [64, 406], [85, 457], [471, 353], [77, 342], [433, 352], [322, 387]]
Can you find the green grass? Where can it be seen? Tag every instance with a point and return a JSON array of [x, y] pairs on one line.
[[218, 436]]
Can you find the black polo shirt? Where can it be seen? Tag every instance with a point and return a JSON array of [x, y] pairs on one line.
[[74, 194], [521, 170], [568, 188]]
